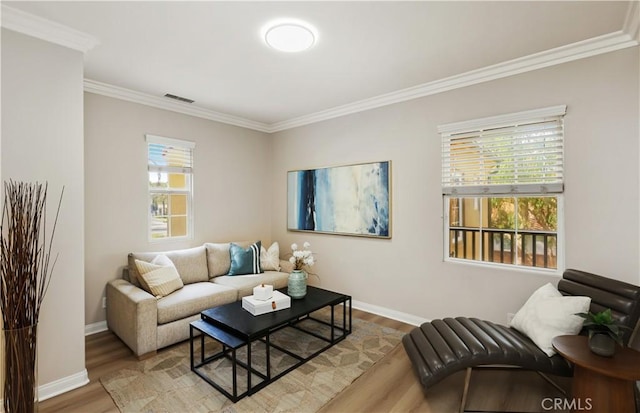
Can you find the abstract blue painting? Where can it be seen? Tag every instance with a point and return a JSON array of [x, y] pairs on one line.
[[347, 200]]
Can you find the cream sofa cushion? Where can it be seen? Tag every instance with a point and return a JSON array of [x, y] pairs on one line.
[[245, 283], [191, 264], [270, 258], [219, 258], [160, 275], [192, 299]]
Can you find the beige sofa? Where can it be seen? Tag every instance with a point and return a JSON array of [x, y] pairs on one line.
[[146, 323]]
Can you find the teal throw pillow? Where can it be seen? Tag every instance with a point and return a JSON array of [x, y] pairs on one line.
[[245, 260]]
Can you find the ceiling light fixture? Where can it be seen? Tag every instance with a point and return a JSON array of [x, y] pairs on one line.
[[290, 36]]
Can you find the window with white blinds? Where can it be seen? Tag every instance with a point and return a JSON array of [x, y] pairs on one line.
[[170, 171], [169, 155], [516, 153], [502, 184]]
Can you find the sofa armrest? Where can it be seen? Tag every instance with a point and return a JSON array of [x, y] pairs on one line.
[[132, 315]]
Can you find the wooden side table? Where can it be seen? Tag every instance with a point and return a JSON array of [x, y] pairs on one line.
[[604, 383]]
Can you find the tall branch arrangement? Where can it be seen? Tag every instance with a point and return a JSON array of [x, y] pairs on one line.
[[25, 274]]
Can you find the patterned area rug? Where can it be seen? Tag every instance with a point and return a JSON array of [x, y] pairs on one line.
[[165, 382]]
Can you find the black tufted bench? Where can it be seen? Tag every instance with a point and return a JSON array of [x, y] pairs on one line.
[[442, 347]]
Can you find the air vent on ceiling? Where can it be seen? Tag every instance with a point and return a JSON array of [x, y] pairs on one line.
[[180, 98]]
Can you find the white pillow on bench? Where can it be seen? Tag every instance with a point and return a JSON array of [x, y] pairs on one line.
[[547, 314]]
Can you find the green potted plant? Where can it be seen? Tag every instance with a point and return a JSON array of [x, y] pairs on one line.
[[604, 332]]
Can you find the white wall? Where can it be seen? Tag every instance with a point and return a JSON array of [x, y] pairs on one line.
[[407, 273], [232, 185], [42, 140]]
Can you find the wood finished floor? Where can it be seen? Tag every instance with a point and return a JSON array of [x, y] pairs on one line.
[[389, 386]]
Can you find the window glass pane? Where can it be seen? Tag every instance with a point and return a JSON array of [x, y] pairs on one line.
[[540, 213], [178, 204], [526, 249], [464, 219], [162, 180], [500, 229], [159, 205], [178, 181], [178, 226], [453, 244], [552, 251], [538, 250], [159, 211], [470, 212], [498, 246], [158, 180], [159, 227], [454, 212], [501, 213], [155, 154]]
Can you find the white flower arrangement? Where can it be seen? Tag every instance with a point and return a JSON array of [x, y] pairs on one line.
[[301, 258]]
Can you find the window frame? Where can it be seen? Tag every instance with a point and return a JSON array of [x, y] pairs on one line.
[[516, 190], [188, 190]]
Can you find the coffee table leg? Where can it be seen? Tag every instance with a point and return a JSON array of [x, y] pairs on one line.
[[249, 367], [268, 357], [344, 318], [234, 371], [191, 346], [333, 323], [350, 315]]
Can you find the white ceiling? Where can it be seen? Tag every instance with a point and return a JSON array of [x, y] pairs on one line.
[[212, 52]]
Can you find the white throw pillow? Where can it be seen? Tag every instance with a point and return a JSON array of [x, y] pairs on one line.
[[547, 314], [270, 259], [160, 275]]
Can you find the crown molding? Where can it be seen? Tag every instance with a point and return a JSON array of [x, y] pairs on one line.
[[568, 53], [628, 36], [632, 22], [38, 27], [579, 50], [117, 92]]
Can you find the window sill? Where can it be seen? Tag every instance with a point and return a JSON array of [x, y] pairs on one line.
[[557, 272]]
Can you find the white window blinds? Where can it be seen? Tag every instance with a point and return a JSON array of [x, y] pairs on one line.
[[169, 155], [516, 153]]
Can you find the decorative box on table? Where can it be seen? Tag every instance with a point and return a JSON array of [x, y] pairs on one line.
[[278, 301], [263, 292]]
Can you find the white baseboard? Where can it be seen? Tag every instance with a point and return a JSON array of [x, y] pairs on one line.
[[94, 328], [63, 385], [101, 326], [389, 313]]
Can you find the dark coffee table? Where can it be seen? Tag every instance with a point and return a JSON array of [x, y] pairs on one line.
[[234, 327]]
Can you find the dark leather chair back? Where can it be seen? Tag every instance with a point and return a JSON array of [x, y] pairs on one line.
[[622, 298]]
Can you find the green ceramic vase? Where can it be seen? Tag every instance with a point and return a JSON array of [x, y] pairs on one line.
[[297, 286]]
